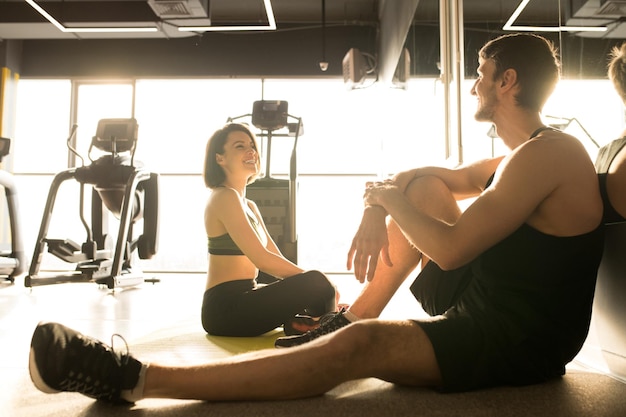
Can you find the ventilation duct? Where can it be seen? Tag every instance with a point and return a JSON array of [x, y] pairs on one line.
[[612, 8], [180, 9]]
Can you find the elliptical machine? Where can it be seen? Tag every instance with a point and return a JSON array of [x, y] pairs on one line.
[[12, 262], [119, 186]]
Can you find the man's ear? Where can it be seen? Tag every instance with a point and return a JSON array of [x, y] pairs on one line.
[[508, 79]]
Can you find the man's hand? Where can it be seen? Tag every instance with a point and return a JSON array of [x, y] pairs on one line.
[[368, 242], [402, 179], [375, 192]]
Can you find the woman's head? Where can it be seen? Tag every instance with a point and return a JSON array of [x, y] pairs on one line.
[[214, 174], [617, 70]]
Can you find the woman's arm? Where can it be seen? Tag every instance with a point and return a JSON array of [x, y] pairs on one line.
[[229, 209], [270, 245]]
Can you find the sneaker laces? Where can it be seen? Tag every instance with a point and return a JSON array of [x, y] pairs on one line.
[[119, 358], [94, 375], [326, 323]]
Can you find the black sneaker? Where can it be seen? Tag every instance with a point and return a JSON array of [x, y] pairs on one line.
[[328, 324], [301, 324], [61, 359]]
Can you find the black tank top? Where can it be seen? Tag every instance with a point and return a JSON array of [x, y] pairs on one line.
[[606, 155], [537, 284]]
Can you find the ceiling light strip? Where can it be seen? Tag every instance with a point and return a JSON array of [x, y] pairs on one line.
[[62, 28], [270, 26], [509, 24]]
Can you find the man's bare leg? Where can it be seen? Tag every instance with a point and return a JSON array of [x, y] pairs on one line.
[[432, 196], [398, 352]]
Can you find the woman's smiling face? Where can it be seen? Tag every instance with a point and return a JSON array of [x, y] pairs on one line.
[[239, 152]]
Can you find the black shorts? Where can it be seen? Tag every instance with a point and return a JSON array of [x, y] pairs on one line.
[[474, 348]]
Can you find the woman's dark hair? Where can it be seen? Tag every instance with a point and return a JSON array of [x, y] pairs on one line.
[[213, 173], [535, 61]]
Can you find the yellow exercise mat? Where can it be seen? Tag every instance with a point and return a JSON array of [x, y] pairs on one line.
[[187, 343]]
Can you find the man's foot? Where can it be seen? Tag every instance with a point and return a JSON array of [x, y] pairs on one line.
[[61, 359], [328, 323]]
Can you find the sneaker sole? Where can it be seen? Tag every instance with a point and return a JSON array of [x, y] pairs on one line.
[[35, 376], [33, 369]]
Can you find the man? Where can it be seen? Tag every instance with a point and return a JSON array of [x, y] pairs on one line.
[[509, 281]]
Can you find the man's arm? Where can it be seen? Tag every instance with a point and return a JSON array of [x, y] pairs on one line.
[[464, 182], [371, 239], [528, 184]]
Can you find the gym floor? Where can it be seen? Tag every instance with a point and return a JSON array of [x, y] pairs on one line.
[[134, 312], [162, 320]]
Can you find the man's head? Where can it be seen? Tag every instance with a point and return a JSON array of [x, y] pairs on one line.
[[534, 60]]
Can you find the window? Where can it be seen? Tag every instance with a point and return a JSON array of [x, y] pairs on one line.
[[349, 137]]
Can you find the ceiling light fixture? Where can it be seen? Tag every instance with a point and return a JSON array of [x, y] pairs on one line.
[[62, 28], [271, 24], [509, 24]]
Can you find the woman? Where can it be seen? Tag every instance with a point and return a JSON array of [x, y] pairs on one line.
[[239, 246], [612, 157]]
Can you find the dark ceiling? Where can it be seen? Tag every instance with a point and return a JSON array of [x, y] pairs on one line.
[[19, 20], [293, 48]]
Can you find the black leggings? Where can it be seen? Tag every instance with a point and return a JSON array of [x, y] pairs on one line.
[[243, 308]]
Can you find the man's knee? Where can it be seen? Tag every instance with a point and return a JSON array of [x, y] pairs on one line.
[[399, 351], [432, 195], [355, 339], [427, 185]]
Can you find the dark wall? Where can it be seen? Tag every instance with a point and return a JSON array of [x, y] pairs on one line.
[[11, 55], [586, 57], [281, 53]]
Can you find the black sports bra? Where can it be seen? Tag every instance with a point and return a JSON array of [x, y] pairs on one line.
[[224, 244]]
